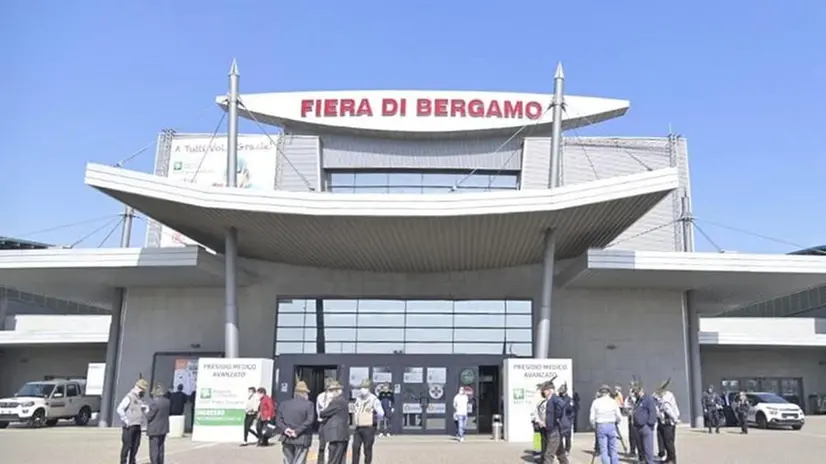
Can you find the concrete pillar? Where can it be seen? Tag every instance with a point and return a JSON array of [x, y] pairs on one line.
[[542, 326], [695, 373], [110, 373]]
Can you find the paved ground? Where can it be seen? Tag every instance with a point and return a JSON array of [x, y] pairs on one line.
[[71, 445]]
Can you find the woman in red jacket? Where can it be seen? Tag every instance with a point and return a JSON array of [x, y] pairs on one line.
[[266, 414]]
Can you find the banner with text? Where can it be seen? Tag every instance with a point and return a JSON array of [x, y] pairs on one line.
[[522, 377], [221, 394], [202, 160]]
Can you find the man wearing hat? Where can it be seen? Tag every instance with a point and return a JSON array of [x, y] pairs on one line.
[[321, 402], [566, 423], [604, 417], [295, 419], [335, 423], [554, 411], [157, 424], [669, 416], [367, 411], [131, 411], [645, 420]]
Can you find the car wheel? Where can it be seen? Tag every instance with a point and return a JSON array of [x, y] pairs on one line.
[[38, 418], [3, 425], [797, 427], [51, 422], [83, 416], [761, 421]]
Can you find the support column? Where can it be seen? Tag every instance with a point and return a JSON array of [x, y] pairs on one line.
[[110, 373], [542, 335], [695, 373], [231, 342], [554, 180], [320, 338]]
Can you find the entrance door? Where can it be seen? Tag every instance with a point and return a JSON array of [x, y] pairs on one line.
[[314, 377], [421, 404], [489, 397]]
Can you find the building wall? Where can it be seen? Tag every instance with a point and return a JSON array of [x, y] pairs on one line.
[[19, 365], [598, 329], [722, 362]]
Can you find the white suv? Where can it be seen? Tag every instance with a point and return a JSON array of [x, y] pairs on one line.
[[770, 410]]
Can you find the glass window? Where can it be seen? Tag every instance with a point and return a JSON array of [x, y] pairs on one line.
[[379, 348], [381, 306], [340, 347], [519, 349], [342, 178], [71, 390], [371, 179], [405, 179], [340, 334], [518, 335], [380, 335], [479, 335], [478, 348], [518, 321], [430, 306], [479, 320], [293, 306], [439, 180], [432, 190], [289, 348], [293, 319], [290, 334], [503, 181], [428, 335], [518, 306], [339, 320], [428, 348], [341, 306], [429, 320], [475, 181], [373, 190], [480, 306], [404, 190], [340, 189], [381, 320]]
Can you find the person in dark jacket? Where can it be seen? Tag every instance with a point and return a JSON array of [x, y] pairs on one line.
[[335, 423], [295, 420], [576, 411], [645, 419], [388, 401], [741, 408], [554, 410], [177, 401], [712, 409], [566, 423], [157, 424]]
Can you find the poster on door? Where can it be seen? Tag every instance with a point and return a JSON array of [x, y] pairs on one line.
[[521, 380], [186, 374]]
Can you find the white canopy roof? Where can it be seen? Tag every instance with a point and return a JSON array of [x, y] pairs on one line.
[[720, 281], [90, 275], [393, 233]]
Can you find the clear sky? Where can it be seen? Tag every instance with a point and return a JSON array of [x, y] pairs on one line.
[[96, 80]]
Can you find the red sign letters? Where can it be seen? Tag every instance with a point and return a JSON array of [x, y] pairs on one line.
[[421, 107]]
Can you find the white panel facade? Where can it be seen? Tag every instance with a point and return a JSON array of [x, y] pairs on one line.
[[19, 365], [598, 329], [297, 169]]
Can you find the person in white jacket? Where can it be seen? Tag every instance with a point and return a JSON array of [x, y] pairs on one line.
[[605, 415], [460, 410]]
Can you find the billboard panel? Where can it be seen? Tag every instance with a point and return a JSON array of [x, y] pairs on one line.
[[202, 159]]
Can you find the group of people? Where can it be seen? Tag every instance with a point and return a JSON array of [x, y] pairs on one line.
[[713, 415], [135, 410], [553, 420], [295, 421]]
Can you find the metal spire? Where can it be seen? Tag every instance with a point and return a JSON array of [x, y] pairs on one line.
[[556, 127], [231, 337]]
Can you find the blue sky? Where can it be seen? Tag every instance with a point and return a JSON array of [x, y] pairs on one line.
[[95, 80]]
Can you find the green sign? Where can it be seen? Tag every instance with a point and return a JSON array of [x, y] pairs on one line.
[[219, 417]]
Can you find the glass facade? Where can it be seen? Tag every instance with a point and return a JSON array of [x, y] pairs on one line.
[[405, 326], [395, 181]]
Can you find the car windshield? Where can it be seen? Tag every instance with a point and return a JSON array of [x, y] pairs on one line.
[[770, 398], [42, 390]]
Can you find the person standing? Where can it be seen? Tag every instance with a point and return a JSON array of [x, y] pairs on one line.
[[566, 423], [266, 415], [554, 409], [668, 418], [251, 413], [388, 404], [538, 420], [711, 409], [366, 411], [741, 408], [321, 402], [460, 405], [295, 420], [634, 448], [131, 411], [157, 424], [177, 401], [645, 419], [576, 411], [335, 424], [605, 414]]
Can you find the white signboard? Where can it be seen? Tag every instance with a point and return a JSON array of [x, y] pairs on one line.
[[222, 393], [194, 159], [94, 378], [521, 393], [431, 111]]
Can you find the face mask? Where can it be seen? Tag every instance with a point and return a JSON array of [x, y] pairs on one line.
[[141, 394], [364, 392]]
